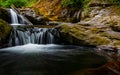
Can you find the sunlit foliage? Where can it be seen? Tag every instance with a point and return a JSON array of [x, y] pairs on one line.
[[17, 3]]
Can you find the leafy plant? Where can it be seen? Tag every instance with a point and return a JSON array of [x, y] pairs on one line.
[[71, 3], [74, 3], [17, 3], [117, 2]]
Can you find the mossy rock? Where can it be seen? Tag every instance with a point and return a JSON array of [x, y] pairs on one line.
[[97, 40], [116, 43], [73, 34], [114, 22], [5, 30], [5, 15], [111, 35], [96, 30]]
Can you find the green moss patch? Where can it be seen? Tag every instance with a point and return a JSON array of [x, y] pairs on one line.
[[5, 15], [5, 30]]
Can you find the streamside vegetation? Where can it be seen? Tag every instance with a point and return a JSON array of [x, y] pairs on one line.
[[74, 3], [17, 3], [83, 3]]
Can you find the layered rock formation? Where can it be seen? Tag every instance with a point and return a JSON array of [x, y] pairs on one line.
[[53, 10]]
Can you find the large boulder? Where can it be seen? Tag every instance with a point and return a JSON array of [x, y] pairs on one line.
[[5, 30], [5, 15], [77, 35], [103, 19]]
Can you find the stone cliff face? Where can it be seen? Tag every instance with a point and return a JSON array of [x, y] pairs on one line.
[[104, 20], [99, 26], [52, 9]]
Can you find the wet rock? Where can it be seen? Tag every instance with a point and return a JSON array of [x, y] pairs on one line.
[[107, 49], [37, 20]]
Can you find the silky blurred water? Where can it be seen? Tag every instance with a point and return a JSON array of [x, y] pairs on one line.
[[50, 59]]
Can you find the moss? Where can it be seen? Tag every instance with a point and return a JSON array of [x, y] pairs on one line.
[[98, 40], [96, 30], [5, 29], [110, 35], [116, 43], [113, 22], [75, 35], [48, 8], [116, 10]]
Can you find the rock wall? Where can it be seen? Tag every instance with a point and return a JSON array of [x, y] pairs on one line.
[[52, 9], [99, 26]]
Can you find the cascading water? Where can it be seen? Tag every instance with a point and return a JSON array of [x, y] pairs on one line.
[[18, 19], [14, 17], [21, 36]]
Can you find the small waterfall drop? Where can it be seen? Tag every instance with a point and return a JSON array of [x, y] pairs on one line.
[[14, 17], [21, 36], [18, 19]]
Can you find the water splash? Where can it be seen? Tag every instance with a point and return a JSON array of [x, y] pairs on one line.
[[33, 35]]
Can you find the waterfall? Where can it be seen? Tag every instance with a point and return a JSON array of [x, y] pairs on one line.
[[21, 36], [18, 19], [14, 17]]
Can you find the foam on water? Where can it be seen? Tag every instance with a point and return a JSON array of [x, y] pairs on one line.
[[34, 48]]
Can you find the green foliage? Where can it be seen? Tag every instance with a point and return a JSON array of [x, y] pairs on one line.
[[5, 28], [31, 2], [71, 3], [17, 3], [114, 1], [117, 2], [74, 3]]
